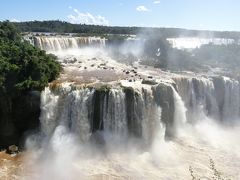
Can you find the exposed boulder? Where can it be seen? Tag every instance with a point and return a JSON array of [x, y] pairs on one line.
[[149, 82], [13, 149], [17, 116]]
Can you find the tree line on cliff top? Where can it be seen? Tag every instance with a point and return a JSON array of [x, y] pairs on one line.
[[65, 27], [23, 67]]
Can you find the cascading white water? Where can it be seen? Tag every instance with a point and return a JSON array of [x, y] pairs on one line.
[[114, 113], [70, 114], [74, 109], [52, 43], [49, 108], [195, 42], [179, 111], [80, 121], [151, 115], [217, 98], [70, 109], [231, 107]]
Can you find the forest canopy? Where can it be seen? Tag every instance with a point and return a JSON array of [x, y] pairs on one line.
[[23, 67], [65, 27]]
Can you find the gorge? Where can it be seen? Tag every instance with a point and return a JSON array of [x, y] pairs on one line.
[[104, 119]]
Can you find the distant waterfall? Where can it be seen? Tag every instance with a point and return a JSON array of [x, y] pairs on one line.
[[216, 97], [230, 106], [52, 43]]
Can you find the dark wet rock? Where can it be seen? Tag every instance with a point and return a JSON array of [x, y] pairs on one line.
[[97, 138], [127, 72], [149, 82], [13, 149], [65, 61], [219, 88], [97, 109], [18, 116], [163, 95], [70, 61], [133, 112]]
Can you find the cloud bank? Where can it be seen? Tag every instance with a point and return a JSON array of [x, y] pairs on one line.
[[87, 18], [14, 20]]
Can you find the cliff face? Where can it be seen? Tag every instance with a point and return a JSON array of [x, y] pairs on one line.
[[138, 110], [17, 117], [125, 110], [134, 101]]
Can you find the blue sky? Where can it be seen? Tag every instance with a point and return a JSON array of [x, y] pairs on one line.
[[191, 14]]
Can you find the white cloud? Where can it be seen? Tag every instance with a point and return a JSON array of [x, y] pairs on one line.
[[142, 9], [156, 2], [87, 18], [69, 7], [14, 20]]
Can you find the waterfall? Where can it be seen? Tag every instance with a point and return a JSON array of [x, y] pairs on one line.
[[120, 112], [216, 97], [198, 95], [180, 111], [194, 42], [231, 107], [139, 113], [71, 109], [58, 43], [49, 108], [115, 117]]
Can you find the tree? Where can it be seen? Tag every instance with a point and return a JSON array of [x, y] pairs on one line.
[[22, 66]]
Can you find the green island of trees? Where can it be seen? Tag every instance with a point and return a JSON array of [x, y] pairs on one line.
[[23, 67]]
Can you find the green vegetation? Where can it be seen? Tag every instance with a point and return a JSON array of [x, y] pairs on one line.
[[159, 53], [168, 58], [222, 56], [22, 66], [65, 27]]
